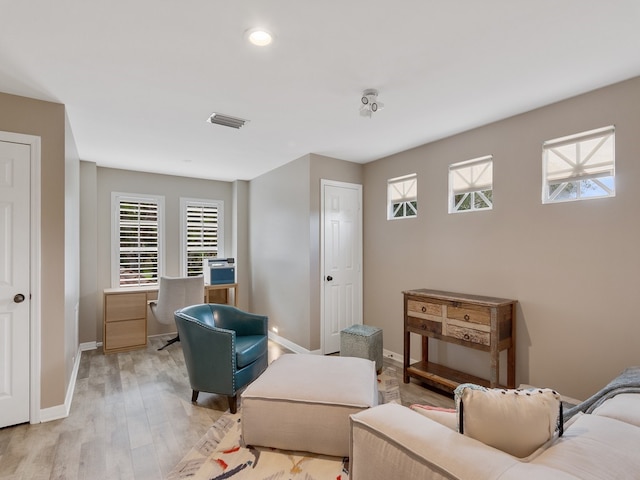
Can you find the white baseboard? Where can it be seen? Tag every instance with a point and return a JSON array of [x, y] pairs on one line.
[[396, 356], [294, 347], [392, 355], [86, 346], [62, 411]]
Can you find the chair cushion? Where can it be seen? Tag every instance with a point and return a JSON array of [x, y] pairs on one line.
[[249, 348]]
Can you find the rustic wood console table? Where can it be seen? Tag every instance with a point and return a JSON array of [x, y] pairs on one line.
[[473, 321]]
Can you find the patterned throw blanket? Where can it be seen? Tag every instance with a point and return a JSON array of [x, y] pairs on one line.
[[627, 382]]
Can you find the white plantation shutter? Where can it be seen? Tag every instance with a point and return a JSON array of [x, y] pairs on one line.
[[202, 233], [202, 236], [471, 176], [137, 232]]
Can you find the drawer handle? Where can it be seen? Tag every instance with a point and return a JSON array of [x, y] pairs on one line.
[[423, 326], [466, 336], [424, 309], [466, 317]]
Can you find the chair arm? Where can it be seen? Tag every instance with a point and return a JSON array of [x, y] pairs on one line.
[[243, 323], [209, 355], [250, 324]]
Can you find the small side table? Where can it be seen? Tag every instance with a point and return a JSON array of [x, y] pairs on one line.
[[362, 341]]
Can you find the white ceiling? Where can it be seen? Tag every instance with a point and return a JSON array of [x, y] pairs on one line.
[[140, 77]]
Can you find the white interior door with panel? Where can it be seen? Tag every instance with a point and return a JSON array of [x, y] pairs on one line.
[[15, 244], [341, 252]]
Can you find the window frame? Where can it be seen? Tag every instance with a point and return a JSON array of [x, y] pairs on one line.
[[406, 201], [580, 176], [185, 202], [116, 199], [452, 192]]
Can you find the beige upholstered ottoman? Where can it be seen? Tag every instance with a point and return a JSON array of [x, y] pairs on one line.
[[303, 402]]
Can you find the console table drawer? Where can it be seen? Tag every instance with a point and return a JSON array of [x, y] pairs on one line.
[[424, 308], [470, 313], [425, 325], [469, 334]]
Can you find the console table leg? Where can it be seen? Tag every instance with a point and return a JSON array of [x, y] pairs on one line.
[[407, 354]]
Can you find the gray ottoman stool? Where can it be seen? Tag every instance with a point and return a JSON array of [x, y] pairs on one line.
[[303, 402], [362, 341]]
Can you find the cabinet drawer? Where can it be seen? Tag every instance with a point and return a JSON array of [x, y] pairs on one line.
[[470, 313], [424, 308], [125, 306], [130, 333], [469, 335], [425, 325]]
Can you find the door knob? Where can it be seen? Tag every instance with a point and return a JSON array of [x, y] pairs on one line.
[[19, 298], [329, 278]]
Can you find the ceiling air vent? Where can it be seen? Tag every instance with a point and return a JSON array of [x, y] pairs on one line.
[[226, 120]]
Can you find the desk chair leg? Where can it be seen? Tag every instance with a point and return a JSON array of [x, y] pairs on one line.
[[170, 342], [194, 396]]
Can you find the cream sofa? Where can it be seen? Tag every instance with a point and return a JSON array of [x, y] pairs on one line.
[[392, 441]]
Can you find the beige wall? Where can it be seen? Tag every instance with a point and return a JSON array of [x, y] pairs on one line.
[[240, 240], [323, 168], [573, 267], [72, 248], [279, 249], [89, 320], [284, 213], [47, 120], [172, 188]]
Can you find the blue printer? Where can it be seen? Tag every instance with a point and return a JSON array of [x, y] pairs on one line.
[[219, 271]]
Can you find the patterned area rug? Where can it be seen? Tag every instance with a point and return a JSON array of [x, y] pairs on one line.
[[220, 453]]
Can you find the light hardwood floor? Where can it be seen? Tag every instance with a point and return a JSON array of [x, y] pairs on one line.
[[131, 418]]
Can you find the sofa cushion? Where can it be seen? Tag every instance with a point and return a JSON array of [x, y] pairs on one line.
[[249, 348], [517, 422], [594, 448], [624, 407]]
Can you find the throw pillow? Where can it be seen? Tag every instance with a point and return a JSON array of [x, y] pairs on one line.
[[444, 416], [517, 422]]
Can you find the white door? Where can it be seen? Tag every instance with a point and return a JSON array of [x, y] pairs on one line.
[[14, 282], [342, 260]]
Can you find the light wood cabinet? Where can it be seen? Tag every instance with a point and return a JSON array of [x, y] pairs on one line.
[[125, 313], [473, 321], [125, 319]]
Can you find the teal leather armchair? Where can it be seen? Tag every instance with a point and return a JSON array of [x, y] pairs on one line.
[[224, 348]]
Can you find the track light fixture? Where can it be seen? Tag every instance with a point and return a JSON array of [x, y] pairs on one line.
[[369, 103]]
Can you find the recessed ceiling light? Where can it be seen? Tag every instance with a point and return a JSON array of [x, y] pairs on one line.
[[259, 37]]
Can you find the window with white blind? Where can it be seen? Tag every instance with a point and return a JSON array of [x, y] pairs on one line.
[[471, 185], [579, 167], [202, 233], [402, 197], [137, 239]]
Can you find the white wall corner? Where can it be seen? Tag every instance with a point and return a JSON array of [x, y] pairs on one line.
[[62, 411]]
